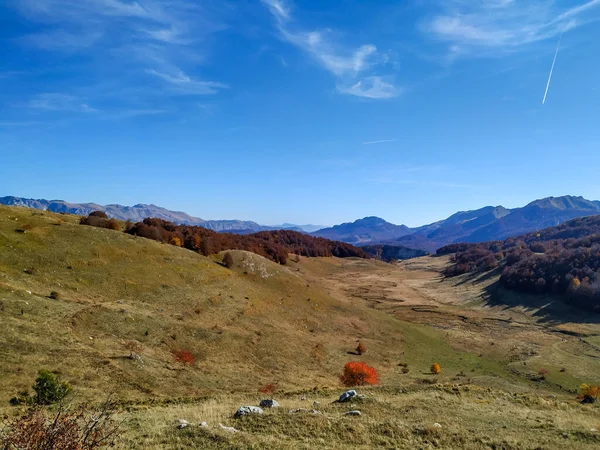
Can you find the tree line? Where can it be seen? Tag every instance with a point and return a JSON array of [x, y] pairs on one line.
[[562, 260], [274, 245]]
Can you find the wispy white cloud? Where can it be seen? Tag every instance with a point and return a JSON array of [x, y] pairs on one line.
[[167, 39], [182, 83], [59, 102], [346, 64], [382, 141], [371, 87], [492, 27]]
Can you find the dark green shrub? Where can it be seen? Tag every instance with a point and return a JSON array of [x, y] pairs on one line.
[[49, 388], [22, 398], [54, 295]]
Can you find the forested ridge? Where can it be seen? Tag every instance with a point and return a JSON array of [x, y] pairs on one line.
[[563, 260], [274, 245]]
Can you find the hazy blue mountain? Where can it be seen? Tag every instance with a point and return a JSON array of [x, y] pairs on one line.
[[136, 213], [308, 228], [364, 231], [484, 224]]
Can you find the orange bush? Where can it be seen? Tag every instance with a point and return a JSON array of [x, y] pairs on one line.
[[359, 374], [435, 368], [589, 391], [361, 348], [185, 357]]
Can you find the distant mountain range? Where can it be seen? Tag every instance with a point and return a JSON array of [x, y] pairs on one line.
[[485, 224], [139, 212]]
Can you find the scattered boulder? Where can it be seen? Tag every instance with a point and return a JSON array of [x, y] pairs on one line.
[[353, 413], [246, 410], [181, 424], [228, 429], [588, 399], [204, 424], [268, 404], [347, 396], [437, 425]]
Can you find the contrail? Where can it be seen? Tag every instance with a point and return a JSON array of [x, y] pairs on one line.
[[552, 69], [379, 142]]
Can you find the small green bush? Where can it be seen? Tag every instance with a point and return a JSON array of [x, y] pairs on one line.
[[49, 388], [54, 295]]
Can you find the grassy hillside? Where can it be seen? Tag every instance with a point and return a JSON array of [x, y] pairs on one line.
[[255, 324], [295, 326]]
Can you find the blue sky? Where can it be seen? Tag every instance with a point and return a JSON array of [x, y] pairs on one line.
[[306, 112]]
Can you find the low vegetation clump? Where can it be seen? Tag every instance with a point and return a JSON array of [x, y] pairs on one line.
[[267, 389], [228, 260], [359, 374], [80, 428], [360, 349], [100, 219], [48, 388], [589, 392], [562, 260], [184, 357]]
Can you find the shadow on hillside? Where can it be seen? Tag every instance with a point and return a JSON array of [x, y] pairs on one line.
[[548, 309], [479, 277]]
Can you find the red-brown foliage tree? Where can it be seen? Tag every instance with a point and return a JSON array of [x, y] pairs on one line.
[[184, 357], [435, 368], [360, 349], [359, 374]]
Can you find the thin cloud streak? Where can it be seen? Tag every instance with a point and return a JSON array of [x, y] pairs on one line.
[[382, 141]]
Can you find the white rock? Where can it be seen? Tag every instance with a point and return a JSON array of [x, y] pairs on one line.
[[228, 429], [204, 424], [268, 404], [353, 413], [347, 396], [437, 425], [245, 410]]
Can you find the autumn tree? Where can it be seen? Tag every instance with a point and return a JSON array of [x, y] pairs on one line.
[[435, 368], [360, 349]]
